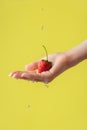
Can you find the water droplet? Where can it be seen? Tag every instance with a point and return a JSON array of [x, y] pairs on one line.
[[42, 9], [29, 106], [46, 85], [42, 27]]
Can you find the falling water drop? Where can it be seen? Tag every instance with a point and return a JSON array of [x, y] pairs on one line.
[[42, 27], [29, 106], [42, 9], [46, 85]]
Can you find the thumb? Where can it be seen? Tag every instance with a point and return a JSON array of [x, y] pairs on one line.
[[32, 66]]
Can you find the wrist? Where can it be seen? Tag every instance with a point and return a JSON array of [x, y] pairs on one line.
[[77, 54], [69, 59]]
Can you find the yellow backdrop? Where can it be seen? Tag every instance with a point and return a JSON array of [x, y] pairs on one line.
[[25, 25]]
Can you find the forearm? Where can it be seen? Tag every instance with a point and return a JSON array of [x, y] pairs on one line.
[[77, 54]]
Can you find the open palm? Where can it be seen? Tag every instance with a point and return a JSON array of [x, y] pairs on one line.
[[58, 66]]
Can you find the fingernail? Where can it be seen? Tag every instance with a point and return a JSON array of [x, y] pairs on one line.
[[10, 75], [14, 76], [26, 66]]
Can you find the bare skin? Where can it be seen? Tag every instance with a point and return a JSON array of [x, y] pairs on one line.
[[61, 62]]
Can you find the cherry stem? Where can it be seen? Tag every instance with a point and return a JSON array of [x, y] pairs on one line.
[[45, 51]]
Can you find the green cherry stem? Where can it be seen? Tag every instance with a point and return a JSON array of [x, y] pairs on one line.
[[45, 52]]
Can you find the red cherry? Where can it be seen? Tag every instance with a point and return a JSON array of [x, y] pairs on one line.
[[44, 65]]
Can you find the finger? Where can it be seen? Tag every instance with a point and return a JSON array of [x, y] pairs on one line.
[[15, 74], [12, 73], [38, 77], [32, 66], [33, 76]]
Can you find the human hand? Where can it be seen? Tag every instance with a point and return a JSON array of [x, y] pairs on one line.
[[59, 64]]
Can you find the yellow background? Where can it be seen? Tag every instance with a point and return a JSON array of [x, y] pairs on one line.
[[24, 26]]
